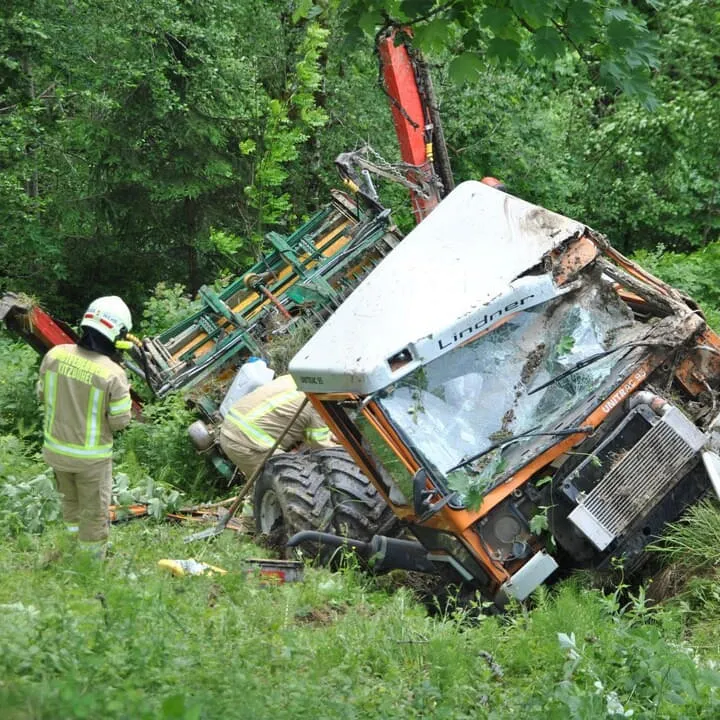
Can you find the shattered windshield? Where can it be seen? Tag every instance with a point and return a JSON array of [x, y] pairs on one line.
[[477, 395]]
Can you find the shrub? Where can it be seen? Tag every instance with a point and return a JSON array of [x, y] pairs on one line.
[[168, 305], [28, 499], [159, 447], [19, 408], [159, 497]]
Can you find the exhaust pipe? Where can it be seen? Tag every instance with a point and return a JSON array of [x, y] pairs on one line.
[[381, 553]]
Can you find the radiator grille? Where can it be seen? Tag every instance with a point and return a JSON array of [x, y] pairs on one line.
[[643, 475]]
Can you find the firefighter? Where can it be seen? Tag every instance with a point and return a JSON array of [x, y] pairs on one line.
[[86, 396], [256, 420]]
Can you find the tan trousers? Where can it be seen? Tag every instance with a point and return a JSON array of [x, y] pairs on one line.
[[246, 459], [86, 500]]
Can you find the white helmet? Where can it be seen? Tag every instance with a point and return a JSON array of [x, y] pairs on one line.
[[110, 316]]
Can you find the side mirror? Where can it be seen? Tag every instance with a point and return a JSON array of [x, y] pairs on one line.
[[422, 506]]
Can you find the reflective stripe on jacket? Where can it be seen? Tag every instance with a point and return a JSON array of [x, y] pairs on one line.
[[256, 420], [86, 398]]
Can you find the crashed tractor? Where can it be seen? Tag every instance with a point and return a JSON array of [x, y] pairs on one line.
[[514, 393]]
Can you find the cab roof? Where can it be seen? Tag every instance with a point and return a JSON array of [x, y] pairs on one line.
[[463, 256]]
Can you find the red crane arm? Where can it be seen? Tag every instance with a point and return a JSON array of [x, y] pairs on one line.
[[412, 124]]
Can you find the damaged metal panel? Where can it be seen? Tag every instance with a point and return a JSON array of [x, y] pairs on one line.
[[470, 252], [640, 477]]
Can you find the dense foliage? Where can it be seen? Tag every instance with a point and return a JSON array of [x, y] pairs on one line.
[[144, 142], [145, 149]]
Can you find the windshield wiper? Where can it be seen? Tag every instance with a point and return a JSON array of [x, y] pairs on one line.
[[586, 429], [590, 360]]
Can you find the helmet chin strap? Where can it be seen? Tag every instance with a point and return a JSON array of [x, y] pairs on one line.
[[95, 341]]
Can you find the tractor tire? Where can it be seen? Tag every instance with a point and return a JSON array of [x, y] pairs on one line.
[[322, 490], [358, 510]]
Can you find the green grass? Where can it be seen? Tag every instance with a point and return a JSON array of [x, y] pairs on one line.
[[694, 540], [127, 640], [691, 546]]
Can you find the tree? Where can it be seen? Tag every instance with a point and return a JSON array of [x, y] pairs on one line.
[[655, 176], [141, 141], [610, 37]]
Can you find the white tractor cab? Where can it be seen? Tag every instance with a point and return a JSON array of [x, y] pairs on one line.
[[519, 395]]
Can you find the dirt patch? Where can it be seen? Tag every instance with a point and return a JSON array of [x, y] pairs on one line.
[[508, 417], [214, 593], [276, 540], [668, 582], [320, 616], [532, 363]]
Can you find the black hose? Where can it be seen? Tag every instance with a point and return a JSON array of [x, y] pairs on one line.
[[328, 539]]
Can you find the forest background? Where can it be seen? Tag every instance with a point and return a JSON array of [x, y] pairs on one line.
[[145, 142]]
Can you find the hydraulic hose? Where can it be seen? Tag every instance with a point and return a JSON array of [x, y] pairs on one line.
[[381, 553], [328, 539], [134, 341]]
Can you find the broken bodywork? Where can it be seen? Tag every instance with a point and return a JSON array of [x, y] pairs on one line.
[[521, 394]]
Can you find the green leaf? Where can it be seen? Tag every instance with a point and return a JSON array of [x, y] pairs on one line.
[[302, 10], [471, 37], [534, 12], [416, 8], [548, 43], [538, 523], [503, 49], [580, 23], [247, 147], [617, 13], [466, 67], [566, 344], [370, 21], [622, 33], [174, 707], [433, 35], [498, 19]]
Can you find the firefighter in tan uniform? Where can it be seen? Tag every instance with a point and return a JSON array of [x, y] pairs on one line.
[[86, 396], [256, 420]]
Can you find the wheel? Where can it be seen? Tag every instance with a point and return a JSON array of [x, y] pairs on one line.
[[322, 490], [358, 510], [290, 496]]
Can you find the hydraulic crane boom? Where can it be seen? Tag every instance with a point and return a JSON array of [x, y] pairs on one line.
[[425, 165], [416, 118]]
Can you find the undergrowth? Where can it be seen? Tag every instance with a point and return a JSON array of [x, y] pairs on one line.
[[694, 540], [159, 447], [81, 640], [122, 640], [691, 547], [19, 411], [29, 501]]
